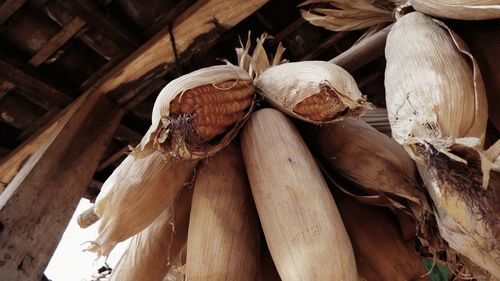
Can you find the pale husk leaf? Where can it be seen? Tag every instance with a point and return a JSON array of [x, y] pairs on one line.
[[459, 9], [288, 84], [152, 252], [224, 235], [433, 95], [161, 110], [134, 195], [350, 15]]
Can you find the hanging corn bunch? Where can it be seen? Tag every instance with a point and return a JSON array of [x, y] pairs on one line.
[[152, 252], [382, 254], [438, 112], [223, 240], [459, 9], [198, 113], [134, 195], [301, 223]]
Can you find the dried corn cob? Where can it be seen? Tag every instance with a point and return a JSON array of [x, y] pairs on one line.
[[437, 108], [301, 223], [197, 114], [313, 91]]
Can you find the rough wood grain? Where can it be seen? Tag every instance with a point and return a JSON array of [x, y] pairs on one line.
[[301, 223], [224, 237], [37, 205], [8, 8], [56, 42]]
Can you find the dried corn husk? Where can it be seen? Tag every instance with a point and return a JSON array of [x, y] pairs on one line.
[[223, 239], [178, 134], [301, 223], [350, 15], [459, 9], [438, 111], [151, 253], [87, 218], [361, 154], [135, 194], [313, 91], [381, 254], [177, 271]]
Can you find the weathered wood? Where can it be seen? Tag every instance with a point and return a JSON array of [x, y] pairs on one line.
[[37, 205], [21, 76], [193, 31], [35, 126], [18, 112], [370, 78], [363, 52], [167, 18], [287, 30], [89, 12], [5, 87], [56, 42], [113, 158], [8, 8], [127, 135], [327, 43]]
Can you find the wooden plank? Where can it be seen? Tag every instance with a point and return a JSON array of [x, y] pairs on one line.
[[113, 158], [8, 8], [29, 82], [193, 30], [326, 44], [35, 126], [363, 52], [167, 18], [287, 30], [89, 12], [39, 202], [5, 87], [56, 42]]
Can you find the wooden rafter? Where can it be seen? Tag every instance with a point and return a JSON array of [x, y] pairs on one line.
[[89, 12], [364, 52], [56, 42], [113, 158], [287, 30], [5, 87], [25, 79], [323, 46], [8, 8]]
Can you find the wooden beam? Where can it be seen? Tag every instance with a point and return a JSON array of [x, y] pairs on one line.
[[8, 8], [37, 205], [287, 30], [25, 79], [363, 52], [266, 23], [89, 12], [326, 44], [5, 87], [180, 7], [196, 28], [35, 126], [113, 158], [56, 42]]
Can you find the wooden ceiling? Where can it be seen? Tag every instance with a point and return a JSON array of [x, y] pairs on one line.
[[52, 51]]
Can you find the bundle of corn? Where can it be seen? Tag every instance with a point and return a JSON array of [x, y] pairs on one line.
[[223, 239], [152, 252], [198, 113], [301, 223], [341, 15], [381, 255], [134, 195], [438, 112], [459, 9]]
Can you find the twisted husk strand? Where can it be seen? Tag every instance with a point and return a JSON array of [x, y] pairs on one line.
[[301, 223], [438, 111]]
